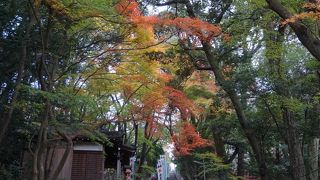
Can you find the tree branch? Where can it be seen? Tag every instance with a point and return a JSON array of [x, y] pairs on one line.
[[171, 2], [234, 154], [304, 34]]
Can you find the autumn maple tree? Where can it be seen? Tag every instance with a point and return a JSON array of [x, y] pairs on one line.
[[160, 98], [187, 139], [191, 26]]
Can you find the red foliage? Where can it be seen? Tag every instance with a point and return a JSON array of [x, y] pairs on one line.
[[128, 8], [191, 26], [154, 102], [313, 13], [187, 140], [149, 111], [177, 99], [166, 77]]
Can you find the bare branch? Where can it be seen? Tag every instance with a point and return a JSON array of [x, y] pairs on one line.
[[171, 2]]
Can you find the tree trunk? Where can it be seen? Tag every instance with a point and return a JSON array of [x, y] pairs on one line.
[[6, 119], [142, 157], [278, 155], [294, 147], [260, 155], [38, 170], [43, 144], [240, 163], [274, 52], [188, 171], [143, 153], [219, 146], [314, 159], [136, 131], [46, 84]]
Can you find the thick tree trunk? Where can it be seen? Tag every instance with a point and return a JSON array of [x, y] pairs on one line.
[[294, 147], [274, 51], [142, 158], [38, 170], [219, 146], [43, 144], [314, 159], [35, 172], [188, 171], [240, 163]]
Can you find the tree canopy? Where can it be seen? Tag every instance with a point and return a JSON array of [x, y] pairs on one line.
[[232, 85]]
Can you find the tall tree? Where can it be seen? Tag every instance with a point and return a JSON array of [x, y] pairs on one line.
[[303, 32]]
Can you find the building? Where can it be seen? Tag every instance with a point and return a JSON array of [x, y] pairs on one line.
[[88, 160]]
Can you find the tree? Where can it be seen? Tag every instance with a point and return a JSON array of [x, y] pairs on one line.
[[48, 33], [303, 32], [224, 83]]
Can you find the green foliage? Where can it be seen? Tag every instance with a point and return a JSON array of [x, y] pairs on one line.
[[103, 77], [202, 162], [12, 172], [212, 161], [195, 92]]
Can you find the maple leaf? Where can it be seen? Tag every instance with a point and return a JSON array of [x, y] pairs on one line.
[[313, 13], [187, 139], [178, 99], [191, 26]]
